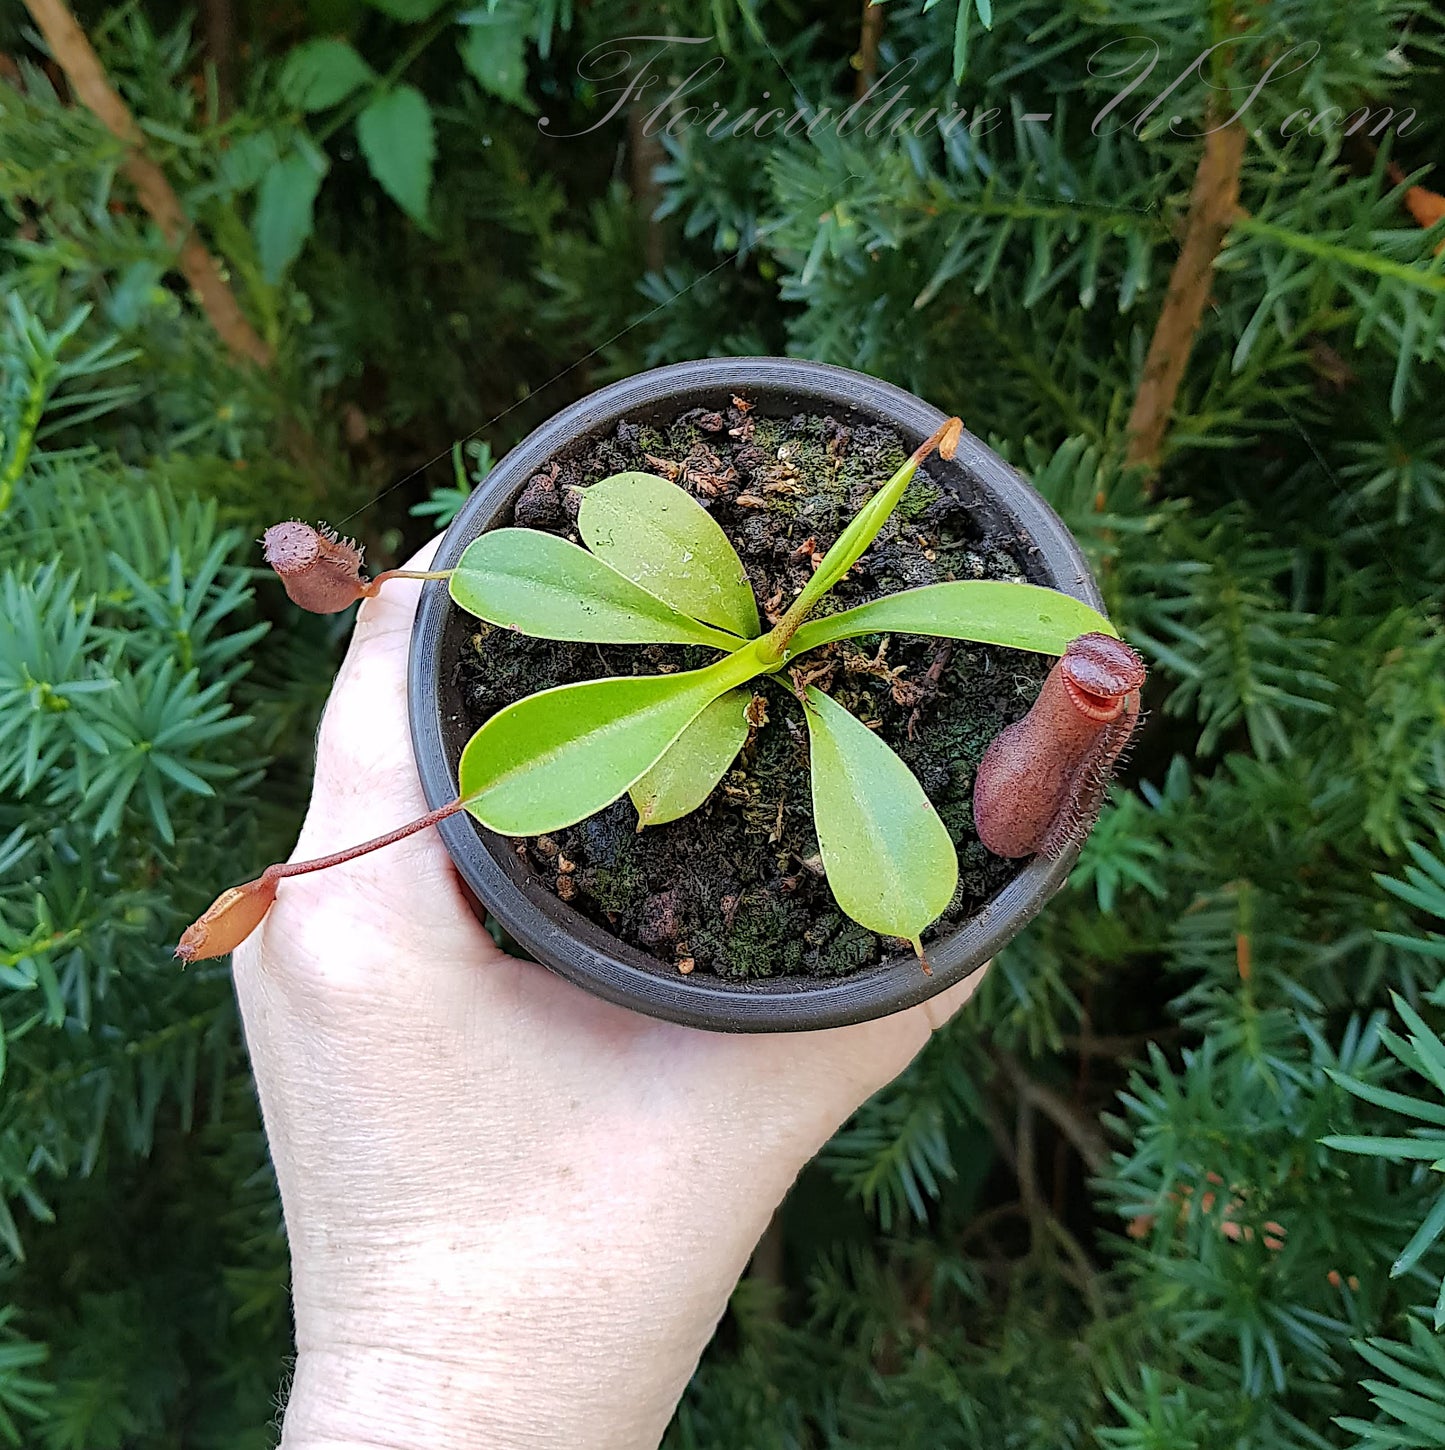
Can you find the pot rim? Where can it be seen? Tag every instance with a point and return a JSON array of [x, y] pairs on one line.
[[571, 944]]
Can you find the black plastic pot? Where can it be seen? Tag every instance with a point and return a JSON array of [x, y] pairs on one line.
[[564, 939]]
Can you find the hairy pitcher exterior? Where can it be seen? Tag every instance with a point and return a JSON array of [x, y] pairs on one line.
[[1041, 781]]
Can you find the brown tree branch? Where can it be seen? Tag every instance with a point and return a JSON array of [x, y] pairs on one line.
[[82, 67], [646, 153], [1212, 207], [1087, 1140], [868, 40], [220, 29]]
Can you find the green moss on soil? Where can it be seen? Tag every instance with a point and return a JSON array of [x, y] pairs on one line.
[[737, 887]]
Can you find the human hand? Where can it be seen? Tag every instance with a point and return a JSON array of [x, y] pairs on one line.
[[515, 1212]]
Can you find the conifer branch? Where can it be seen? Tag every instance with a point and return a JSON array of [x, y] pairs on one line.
[[77, 58], [1212, 207], [30, 416], [1421, 278]]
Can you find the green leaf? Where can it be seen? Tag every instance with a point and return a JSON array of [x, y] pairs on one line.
[[10, 1232], [551, 589], [1402, 1148], [284, 212], [889, 859], [560, 756], [853, 542], [1020, 616], [1423, 1238], [494, 50], [245, 162], [396, 136], [321, 73], [1428, 1046], [694, 763], [960, 38], [663, 539], [409, 10], [1386, 1098]]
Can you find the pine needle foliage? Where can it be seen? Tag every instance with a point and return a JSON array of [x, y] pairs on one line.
[[1170, 1180]]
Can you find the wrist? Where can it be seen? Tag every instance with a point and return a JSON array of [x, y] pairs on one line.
[[388, 1397], [368, 1397], [548, 1337]]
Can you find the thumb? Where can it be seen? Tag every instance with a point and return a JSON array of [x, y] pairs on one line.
[[366, 780]]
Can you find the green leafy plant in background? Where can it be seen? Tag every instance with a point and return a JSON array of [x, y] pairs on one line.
[[327, 78], [1014, 1244], [128, 717], [471, 463], [1410, 1400], [142, 692]]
